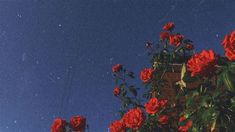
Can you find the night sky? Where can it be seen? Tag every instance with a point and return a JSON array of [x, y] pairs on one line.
[[56, 55]]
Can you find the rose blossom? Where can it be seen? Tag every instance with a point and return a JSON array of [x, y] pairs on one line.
[[117, 68], [183, 129], [163, 102], [116, 91], [229, 46], [78, 123], [203, 63], [182, 118], [169, 26], [186, 127], [58, 125], [164, 35], [163, 119], [152, 106], [176, 40], [117, 126], [189, 124], [134, 118], [146, 75]]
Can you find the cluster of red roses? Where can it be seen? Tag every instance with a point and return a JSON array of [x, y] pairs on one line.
[[205, 63], [202, 64], [174, 39], [76, 124], [135, 117]]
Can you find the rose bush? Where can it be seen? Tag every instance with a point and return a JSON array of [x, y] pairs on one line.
[[203, 97], [205, 92]]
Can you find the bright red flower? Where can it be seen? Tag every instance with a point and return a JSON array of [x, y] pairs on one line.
[[164, 35], [152, 106], [134, 118], [117, 68], [203, 63], [189, 46], [229, 40], [230, 54], [229, 46], [78, 123], [189, 124], [163, 119], [182, 118], [117, 126], [146, 75], [58, 125], [169, 26], [176, 40], [163, 102], [116, 91], [186, 127], [183, 129]]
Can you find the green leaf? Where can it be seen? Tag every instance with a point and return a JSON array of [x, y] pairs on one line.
[[116, 80], [194, 129], [232, 67], [133, 90], [229, 80], [220, 80], [189, 101], [131, 75]]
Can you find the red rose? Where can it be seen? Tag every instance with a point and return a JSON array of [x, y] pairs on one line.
[[164, 35], [163, 102], [146, 75], [78, 123], [176, 40], [186, 127], [182, 118], [58, 125], [116, 91], [229, 46], [163, 119], [189, 46], [117, 126], [152, 106], [189, 124], [117, 68], [169, 26], [134, 118], [183, 129], [203, 63], [229, 40], [230, 54]]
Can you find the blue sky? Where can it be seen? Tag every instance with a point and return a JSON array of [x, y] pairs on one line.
[[56, 55]]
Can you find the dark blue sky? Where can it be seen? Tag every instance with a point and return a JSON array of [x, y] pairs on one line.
[[56, 55]]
